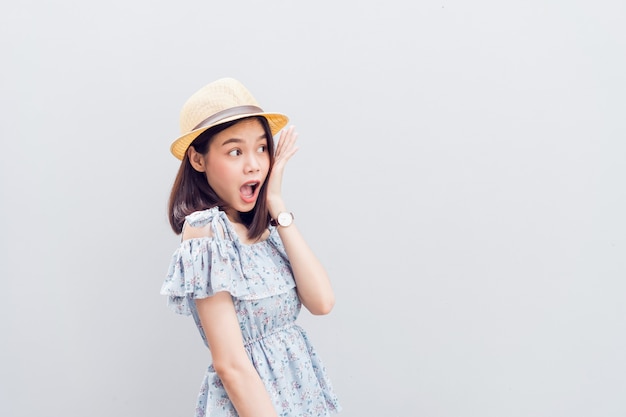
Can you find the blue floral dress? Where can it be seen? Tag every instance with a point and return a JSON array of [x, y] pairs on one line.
[[260, 280]]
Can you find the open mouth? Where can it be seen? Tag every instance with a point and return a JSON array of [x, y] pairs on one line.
[[249, 190]]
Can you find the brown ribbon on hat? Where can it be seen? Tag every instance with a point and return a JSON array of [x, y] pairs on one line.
[[233, 111]]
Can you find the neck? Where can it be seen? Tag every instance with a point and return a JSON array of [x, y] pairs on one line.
[[233, 215]]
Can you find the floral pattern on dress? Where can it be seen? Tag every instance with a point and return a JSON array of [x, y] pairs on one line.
[[260, 280]]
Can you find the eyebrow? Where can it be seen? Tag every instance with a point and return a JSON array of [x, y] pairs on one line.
[[238, 140]]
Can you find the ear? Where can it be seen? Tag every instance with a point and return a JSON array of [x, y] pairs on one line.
[[196, 159]]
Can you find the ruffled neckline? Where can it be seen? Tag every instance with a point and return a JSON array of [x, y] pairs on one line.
[[203, 217], [200, 267]]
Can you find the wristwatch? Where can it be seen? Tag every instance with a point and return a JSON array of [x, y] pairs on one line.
[[283, 219]]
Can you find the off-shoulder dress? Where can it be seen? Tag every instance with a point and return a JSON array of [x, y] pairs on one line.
[[259, 278]]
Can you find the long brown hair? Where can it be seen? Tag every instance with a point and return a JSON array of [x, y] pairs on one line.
[[191, 190]]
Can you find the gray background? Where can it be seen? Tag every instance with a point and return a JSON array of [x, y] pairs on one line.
[[461, 175]]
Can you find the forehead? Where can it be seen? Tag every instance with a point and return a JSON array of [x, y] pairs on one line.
[[247, 128]]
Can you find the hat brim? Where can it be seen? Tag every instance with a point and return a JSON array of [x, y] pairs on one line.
[[276, 122]]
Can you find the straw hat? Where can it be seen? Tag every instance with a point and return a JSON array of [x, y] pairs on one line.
[[221, 101]]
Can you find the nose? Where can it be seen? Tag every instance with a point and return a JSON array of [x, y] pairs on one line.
[[252, 163]]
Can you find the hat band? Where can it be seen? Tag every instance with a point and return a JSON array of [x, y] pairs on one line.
[[233, 111]]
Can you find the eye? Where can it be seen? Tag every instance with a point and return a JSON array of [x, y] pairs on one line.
[[235, 152], [262, 148]]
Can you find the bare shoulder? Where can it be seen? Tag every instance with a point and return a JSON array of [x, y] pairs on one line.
[[198, 232]]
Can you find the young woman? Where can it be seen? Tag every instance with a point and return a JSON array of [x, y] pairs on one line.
[[243, 269]]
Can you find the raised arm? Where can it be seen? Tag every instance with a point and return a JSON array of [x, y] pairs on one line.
[[313, 284], [312, 281]]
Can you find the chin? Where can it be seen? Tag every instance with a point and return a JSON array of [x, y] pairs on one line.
[[246, 208]]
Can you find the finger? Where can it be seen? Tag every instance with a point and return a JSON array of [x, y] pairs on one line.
[[284, 136], [289, 139], [280, 163], [290, 142], [286, 141], [287, 151]]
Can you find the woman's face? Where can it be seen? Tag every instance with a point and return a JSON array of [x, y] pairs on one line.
[[237, 164]]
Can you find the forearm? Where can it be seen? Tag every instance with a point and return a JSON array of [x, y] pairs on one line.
[[247, 392], [312, 281], [230, 360]]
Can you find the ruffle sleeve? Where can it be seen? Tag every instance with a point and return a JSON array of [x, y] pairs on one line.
[[202, 267]]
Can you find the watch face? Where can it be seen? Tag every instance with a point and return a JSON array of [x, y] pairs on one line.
[[284, 219]]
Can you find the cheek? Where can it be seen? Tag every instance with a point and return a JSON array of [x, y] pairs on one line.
[[218, 173], [266, 161]]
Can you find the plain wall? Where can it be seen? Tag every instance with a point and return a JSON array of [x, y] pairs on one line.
[[461, 175]]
